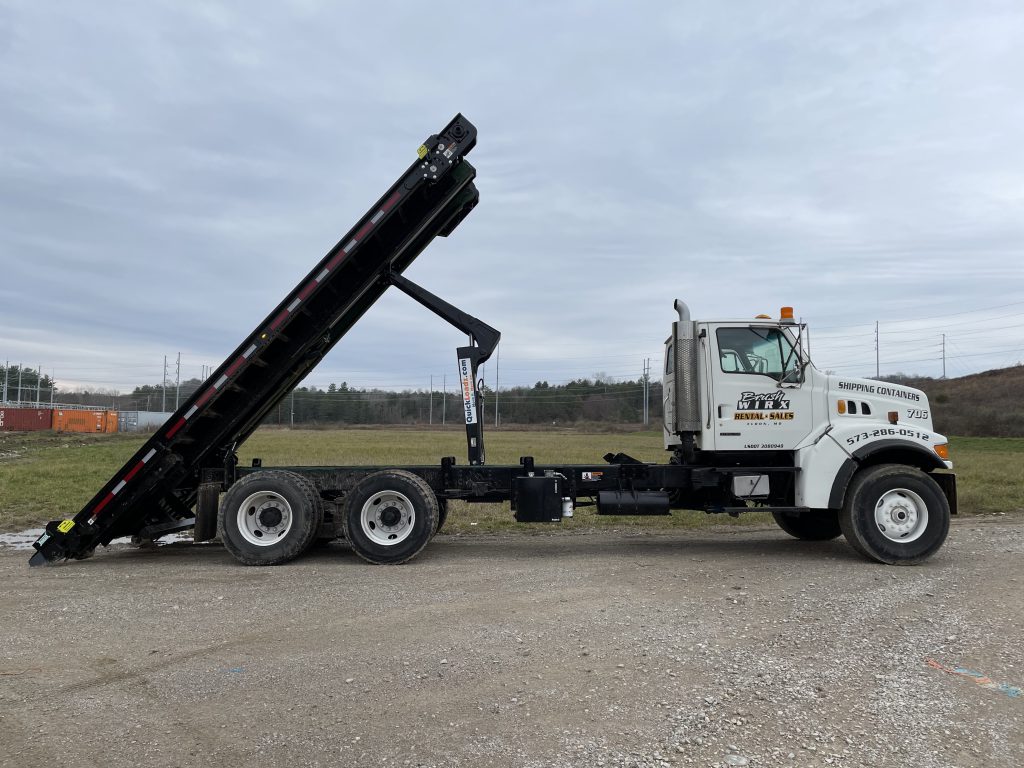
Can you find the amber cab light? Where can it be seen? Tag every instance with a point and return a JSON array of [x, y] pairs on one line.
[[942, 449], [786, 314]]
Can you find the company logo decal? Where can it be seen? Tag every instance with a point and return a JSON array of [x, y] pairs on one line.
[[468, 390], [770, 401], [767, 406]]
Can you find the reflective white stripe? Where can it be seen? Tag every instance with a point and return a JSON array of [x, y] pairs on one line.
[[191, 410], [220, 381], [377, 217], [249, 351], [294, 304], [350, 246], [148, 456], [322, 275], [118, 487]]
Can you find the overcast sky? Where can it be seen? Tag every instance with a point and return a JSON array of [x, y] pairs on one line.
[[168, 171]]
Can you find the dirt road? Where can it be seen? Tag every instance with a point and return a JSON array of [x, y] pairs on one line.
[[742, 647]]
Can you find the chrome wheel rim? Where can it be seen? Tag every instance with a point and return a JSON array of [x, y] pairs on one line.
[[387, 518], [901, 515], [264, 518]]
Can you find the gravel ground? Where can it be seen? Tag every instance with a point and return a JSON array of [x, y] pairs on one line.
[[724, 648]]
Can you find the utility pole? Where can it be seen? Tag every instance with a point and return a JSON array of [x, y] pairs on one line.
[[39, 382], [943, 355], [497, 381], [431, 399], [163, 403], [7, 370], [647, 390], [877, 366], [292, 418], [20, 368], [53, 386], [444, 397], [177, 383]]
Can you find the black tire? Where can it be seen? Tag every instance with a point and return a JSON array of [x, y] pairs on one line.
[[895, 514], [280, 508], [207, 501], [819, 525], [390, 516]]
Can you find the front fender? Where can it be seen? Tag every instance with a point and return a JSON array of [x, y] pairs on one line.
[[861, 441], [893, 444]]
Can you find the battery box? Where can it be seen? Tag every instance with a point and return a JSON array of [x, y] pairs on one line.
[[538, 499]]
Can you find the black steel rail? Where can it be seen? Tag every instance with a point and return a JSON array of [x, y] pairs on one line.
[[155, 490]]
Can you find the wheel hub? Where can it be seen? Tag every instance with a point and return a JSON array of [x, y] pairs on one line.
[[264, 518], [387, 518], [390, 517], [270, 517], [901, 515]]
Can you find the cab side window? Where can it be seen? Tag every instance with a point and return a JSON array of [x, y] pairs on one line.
[[758, 351]]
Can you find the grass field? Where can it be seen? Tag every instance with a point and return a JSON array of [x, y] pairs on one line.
[[46, 476]]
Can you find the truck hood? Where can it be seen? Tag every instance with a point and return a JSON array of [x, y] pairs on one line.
[[882, 397]]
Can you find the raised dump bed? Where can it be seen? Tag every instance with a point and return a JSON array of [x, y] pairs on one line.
[[155, 491]]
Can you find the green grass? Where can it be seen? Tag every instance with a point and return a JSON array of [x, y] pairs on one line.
[[990, 473], [45, 476]]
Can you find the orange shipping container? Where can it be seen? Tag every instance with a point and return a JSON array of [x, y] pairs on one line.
[[84, 421]]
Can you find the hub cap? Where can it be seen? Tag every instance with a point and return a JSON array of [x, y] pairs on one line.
[[387, 518], [901, 515], [264, 518]]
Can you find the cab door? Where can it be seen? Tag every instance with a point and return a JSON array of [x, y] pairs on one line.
[[758, 395]]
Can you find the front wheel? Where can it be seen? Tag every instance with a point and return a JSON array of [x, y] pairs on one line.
[[810, 526], [390, 516], [895, 514]]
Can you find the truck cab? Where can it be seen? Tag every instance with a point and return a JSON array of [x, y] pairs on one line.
[[826, 454]]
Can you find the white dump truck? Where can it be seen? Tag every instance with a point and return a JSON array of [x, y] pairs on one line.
[[749, 422]]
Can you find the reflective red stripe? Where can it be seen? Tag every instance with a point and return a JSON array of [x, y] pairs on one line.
[[279, 319], [364, 229], [234, 367], [336, 260], [174, 430], [135, 471], [209, 393], [102, 504], [307, 290], [391, 202]]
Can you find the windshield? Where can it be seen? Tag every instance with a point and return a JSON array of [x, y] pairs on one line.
[[765, 351]]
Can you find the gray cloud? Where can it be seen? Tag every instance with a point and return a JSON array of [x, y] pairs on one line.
[[169, 172]]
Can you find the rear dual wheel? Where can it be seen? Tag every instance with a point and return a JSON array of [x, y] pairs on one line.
[[390, 516], [270, 517], [895, 514]]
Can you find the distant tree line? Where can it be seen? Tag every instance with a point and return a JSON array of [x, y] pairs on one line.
[[544, 403], [983, 404], [589, 400]]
